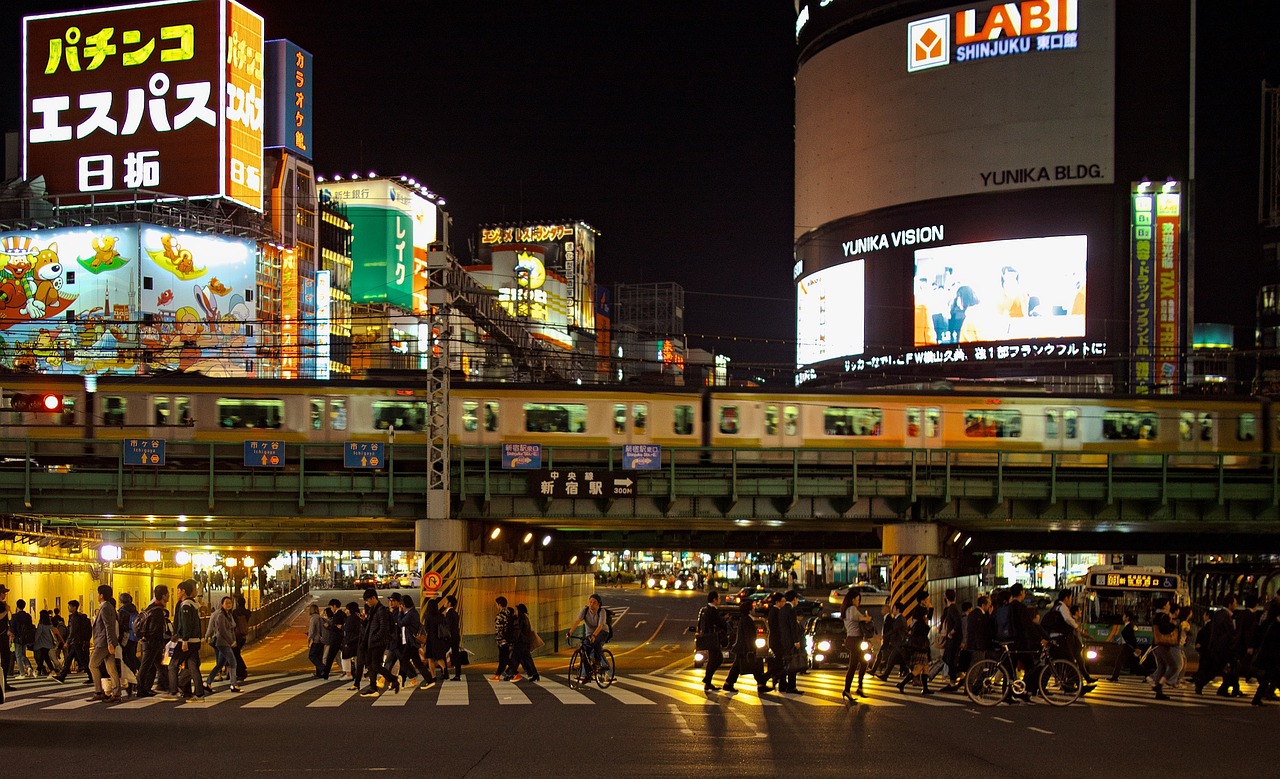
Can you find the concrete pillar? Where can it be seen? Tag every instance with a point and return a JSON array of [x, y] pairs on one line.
[[910, 544], [439, 541]]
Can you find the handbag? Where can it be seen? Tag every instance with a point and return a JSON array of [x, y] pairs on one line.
[[535, 640], [461, 657]]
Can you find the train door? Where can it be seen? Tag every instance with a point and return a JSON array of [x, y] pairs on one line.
[[781, 426], [326, 419], [631, 423], [480, 419], [1062, 431], [1197, 431], [923, 427]]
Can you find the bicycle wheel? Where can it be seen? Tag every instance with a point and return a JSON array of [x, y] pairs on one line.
[[575, 667], [605, 672], [1061, 682], [987, 683]]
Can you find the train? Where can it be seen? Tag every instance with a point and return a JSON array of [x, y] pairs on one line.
[[1025, 428]]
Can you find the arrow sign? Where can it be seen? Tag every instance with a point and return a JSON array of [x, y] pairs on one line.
[[264, 454], [622, 482]]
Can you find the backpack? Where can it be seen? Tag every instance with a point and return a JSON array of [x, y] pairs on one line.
[[443, 634], [511, 633], [608, 622], [28, 636], [1053, 622], [1004, 624], [128, 627]]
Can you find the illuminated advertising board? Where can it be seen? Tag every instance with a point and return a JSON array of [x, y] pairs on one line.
[[1015, 290], [289, 102], [424, 234], [528, 289], [567, 249], [829, 313], [381, 213], [1156, 288], [1002, 98], [127, 299], [123, 103], [1143, 291], [324, 327], [289, 314]]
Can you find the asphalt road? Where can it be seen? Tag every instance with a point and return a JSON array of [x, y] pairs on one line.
[[655, 721]]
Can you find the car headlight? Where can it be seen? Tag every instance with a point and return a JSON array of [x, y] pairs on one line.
[[864, 646], [699, 657], [651, 583], [818, 658], [1091, 654], [824, 646], [760, 642], [867, 657]]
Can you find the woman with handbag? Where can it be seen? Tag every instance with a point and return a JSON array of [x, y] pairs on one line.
[[857, 629], [918, 647], [1165, 635]]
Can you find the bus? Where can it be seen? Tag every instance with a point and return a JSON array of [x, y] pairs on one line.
[[1105, 592]]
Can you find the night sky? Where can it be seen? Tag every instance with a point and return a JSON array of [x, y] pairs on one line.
[[666, 125]]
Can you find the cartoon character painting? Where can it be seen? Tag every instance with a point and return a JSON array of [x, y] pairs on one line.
[[105, 256], [177, 260], [30, 282]]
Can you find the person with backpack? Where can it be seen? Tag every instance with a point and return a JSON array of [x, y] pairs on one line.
[[221, 635], [186, 637], [500, 638], [106, 646], [79, 632], [44, 644], [127, 615], [599, 630], [23, 629], [151, 627], [512, 634], [1063, 631], [710, 638]]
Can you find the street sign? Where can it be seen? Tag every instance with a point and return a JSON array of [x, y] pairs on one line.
[[264, 454], [581, 483], [642, 457], [522, 456], [433, 581], [143, 451], [363, 454]]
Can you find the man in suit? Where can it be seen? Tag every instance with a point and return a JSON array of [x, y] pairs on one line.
[[1128, 648], [1222, 641], [453, 621], [789, 641], [710, 629]]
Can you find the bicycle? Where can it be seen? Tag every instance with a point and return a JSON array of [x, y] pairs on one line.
[[604, 673], [991, 682]]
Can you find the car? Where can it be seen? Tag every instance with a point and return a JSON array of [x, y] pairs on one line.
[[408, 579], [871, 595], [366, 580], [824, 642], [734, 598], [731, 625]]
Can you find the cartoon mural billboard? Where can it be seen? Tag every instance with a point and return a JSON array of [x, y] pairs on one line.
[[126, 299]]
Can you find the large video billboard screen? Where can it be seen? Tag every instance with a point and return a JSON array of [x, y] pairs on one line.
[[1015, 290], [830, 310], [122, 102], [979, 98], [127, 299]]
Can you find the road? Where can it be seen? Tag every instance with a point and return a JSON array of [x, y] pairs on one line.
[[655, 721]]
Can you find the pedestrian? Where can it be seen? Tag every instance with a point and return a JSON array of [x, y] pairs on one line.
[[524, 644], [918, 646], [23, 630], [1221, 643], [1178, 654], [186, 639], [6, 636], [106, 646], [789, 643], [376, 637], [79, 633], [1164, 634], [952, 630], [1127, 654], [857, 632], [977, 630], [500, 637], [746, 653], [127, 616], [453, 621], [221, 635], [151, 627], [315, 641], [351, 625], [334, 618], [242, 616], [1266, 653], [1028, 639], [409, 627], [437, 643], [710, 638], [1246, 620], [44, 644], [893, 636]]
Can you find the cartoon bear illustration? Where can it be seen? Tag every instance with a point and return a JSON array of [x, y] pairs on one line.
[[47, 276], [15, 286]]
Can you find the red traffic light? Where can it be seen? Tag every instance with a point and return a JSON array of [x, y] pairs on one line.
[[40, 403]]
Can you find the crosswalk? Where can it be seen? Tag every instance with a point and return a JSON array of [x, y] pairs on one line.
[[822, 690]]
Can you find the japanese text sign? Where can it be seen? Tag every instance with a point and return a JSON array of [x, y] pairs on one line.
[[143, 451], [642, 457], [521, 456], [363, 454], [264, 454]]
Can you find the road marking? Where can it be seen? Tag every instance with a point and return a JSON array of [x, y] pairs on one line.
[[641, 622], [19, 703], [681, 722], [69, 705], [333, 698], [260, 682], [625, 696], [742, 697], [508, 694], [563, 693], [1002, 719], [388, 698], [274, 699], [1038, 730], [454, 694], [679, 695]]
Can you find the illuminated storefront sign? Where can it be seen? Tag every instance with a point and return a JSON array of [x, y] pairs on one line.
[[1156, 299], [289, 104], [1168, 262], [383, 239], [161, 97], [424, 234], [289, 315], [569, 250], [998, 31], [526, 233], [324, 330]]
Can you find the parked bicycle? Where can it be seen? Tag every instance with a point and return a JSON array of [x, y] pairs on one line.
[[603, 670], [993, 681]]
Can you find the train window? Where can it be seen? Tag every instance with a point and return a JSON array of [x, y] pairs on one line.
[[770, 420], [317, 414], [338, 414], [729, 420], [1186, 425], [852, 421], [1071, 423], [931, 419], [400, 415], [555, 417], [639, 416], [490, 417], [161, 408], [1130, 425], [682, 421], [1205, 421], [1051, 423], [182, 405], [619, 418], [790, 418], [990, 423], [1246, 427], [470, 416], [113, 407], [246, 413]]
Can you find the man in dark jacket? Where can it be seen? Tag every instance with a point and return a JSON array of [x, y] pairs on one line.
[[1128, 654], [453, 621], [1029, 638], [6, 635], [953, 636], [332, 620], [106, 646], [376, 636], [789, 642], [126, 616], [79, 631], [24, 635], [187, 637], [977, 632], [1222, 640], [710, 629], [150, 627]]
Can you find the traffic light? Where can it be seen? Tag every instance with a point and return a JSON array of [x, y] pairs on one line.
[[36, 402]]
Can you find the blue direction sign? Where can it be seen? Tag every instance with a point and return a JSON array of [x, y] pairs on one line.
[[143, 451], [522, 456], [363, 454], [264, 454], [642, 457]]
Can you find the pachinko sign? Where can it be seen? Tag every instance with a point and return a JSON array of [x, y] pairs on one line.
[[144, 101], [995, 31]]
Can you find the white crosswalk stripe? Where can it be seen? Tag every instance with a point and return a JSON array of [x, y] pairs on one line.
[[508, 693], [562, 693], [389, 698], [454, 694], [274, 699]]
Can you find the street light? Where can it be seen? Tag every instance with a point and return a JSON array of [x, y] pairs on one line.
[[528, 537], [183, 557], [109, 553], [493, 536], [151, 556]]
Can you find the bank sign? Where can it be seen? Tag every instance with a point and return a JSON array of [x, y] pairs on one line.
[[143, 101], [997, 31]]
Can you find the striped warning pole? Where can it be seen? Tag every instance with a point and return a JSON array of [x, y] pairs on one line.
[[908, 580], [445, 566]]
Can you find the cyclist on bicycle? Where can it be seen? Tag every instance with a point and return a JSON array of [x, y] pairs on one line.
[[1063, 631], [594, 616]]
